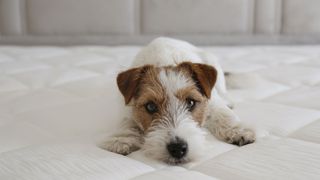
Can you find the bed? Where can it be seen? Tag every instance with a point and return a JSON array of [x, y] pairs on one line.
[[58, 103]]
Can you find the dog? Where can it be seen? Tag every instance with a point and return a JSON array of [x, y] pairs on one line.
[[175, 90]]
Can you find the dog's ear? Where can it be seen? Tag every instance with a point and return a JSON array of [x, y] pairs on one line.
[[205, 76], [128, 81]]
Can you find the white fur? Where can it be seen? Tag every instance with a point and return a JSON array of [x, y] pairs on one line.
[[178, 122], [127, 140], [167, 51], [156, 141], [173, 81]]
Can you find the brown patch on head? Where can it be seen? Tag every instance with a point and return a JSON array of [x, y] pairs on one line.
[[128, 81], [205, 76], [150, 90], [200, 111]]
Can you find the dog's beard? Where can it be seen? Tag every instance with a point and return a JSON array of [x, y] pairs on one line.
[[165, 131]]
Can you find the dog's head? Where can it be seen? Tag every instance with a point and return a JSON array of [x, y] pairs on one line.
[[169, 105]]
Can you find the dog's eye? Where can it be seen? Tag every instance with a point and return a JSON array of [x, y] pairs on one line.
[[191, 103], [151, 107]]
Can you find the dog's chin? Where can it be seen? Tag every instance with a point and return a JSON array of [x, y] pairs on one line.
[[174, 161], [163, 156], [167, 159]]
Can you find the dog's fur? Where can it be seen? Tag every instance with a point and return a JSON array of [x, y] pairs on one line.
[[170, 74]]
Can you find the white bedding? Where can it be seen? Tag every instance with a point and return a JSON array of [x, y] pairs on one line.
[[57, 104]]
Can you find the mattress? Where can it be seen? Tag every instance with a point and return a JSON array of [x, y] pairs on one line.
[[57, 104]]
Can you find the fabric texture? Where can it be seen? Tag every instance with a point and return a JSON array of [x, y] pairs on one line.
[[57, 104]]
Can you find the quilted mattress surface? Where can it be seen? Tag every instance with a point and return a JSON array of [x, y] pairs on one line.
[[57, 104]]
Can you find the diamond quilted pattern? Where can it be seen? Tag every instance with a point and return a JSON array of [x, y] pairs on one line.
[[304, 96], [57, 103], [311, 132], [254, 161]]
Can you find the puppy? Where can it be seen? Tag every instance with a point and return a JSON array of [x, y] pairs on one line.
[[173, 92]]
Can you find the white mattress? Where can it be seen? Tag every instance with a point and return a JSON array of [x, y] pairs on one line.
[[57, 104]]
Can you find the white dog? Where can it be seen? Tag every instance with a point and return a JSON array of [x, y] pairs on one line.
[[174, 89]]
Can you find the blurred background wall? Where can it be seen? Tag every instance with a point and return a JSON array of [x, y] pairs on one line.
[[119, 22]]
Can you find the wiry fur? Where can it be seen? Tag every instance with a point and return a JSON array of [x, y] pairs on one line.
[[226, 126], [168, 87], [161, 134], [129, 139]]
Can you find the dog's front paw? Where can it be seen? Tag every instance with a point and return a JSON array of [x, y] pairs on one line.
[[120, 145], [241, 137]]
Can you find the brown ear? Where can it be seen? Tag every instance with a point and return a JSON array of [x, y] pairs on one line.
[[128, 81], [205, 76]]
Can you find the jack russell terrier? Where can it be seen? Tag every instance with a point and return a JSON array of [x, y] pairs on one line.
[[174, 90]]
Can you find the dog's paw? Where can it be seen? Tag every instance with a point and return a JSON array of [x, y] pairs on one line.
[[242, 137], [120, 145]]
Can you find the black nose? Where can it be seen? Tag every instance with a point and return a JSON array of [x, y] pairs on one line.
[[178, 149]]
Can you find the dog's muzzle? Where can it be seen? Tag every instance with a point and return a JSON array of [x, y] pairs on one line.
[[177, 148]]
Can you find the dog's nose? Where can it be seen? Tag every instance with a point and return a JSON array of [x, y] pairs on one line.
[[178, 149]]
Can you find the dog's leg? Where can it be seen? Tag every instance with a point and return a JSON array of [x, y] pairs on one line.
[[128, 140], [225, 125]]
